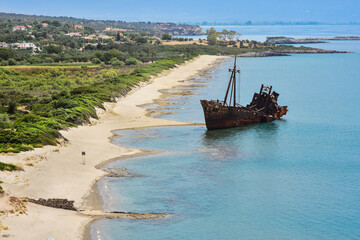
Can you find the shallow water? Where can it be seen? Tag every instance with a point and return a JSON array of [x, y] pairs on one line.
[[260, 32], [297, 178]]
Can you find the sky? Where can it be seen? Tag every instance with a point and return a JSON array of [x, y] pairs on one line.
[[329, 11]]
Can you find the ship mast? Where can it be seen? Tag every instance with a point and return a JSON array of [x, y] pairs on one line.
[[232, 83]]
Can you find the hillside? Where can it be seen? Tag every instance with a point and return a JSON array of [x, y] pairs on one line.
[[155, 28]]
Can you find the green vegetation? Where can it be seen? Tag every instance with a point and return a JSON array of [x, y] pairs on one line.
[[71, 75], [213, 36], [8, 167], [166, 37], [35, 103]]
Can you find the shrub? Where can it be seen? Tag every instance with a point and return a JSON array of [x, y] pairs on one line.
[[4, 63], [4, 121], [132, 61], [7, 167], [11, 107], [96, 61], [12, 62], [48, 60], [4, 117], [116, 62], [64, 103]]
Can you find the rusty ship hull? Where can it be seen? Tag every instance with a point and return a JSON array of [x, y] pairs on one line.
[[218, 116], [227, 114]]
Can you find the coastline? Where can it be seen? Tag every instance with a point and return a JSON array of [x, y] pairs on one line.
[[58, 171]]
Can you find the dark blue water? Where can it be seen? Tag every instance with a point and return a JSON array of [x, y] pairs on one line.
[[298, 178]]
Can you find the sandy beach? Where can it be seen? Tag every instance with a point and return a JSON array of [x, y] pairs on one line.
[[59, 171]]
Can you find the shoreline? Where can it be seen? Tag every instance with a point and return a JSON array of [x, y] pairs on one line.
[[58, 171]]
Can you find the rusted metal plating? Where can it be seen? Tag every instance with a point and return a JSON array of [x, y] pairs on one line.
[[263, 107]]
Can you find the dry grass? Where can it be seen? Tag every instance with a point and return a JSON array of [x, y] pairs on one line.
[[37, 67], [12, 205], [172, 43]]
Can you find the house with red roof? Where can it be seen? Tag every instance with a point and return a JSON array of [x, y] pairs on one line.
[[19, 28]]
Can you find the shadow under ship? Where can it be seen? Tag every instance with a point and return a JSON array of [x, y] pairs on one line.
[[227, 114]]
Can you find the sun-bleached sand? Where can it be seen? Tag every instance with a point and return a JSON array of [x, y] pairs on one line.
[[59, 172]]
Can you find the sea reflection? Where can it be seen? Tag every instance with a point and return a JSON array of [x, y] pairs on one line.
[[226, 143]]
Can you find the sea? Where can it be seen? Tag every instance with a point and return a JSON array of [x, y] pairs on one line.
[[296, 178]]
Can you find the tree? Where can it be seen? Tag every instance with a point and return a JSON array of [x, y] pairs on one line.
[[232, 34], [237, 36], [212, 36], [5, 54], [140, 40], [118, 37], [224, 34], [166, 37], [53, 49], [153, 53], [113, 53], [56, 23]]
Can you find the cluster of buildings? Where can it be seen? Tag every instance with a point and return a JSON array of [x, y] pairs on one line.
[[23, 28], [74, 34], [23, 45]]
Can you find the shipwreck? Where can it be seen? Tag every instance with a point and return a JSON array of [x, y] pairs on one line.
[[228, 113]]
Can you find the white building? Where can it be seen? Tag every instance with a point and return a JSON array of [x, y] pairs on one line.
[[25, 45], [4, 45], [19, 28]]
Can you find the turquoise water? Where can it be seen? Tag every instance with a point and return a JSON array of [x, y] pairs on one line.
[[260, 32], [298, 178]]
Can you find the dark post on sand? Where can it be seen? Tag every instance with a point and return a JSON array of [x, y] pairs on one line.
[[83, 157]]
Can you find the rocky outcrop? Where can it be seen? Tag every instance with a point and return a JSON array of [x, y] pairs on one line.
[[124, 215], [351, 38], [262, 54], [55, 203], [287, 52], [315, 50], [177, 29], [289, 40]]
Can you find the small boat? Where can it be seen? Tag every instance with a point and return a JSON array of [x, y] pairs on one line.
[[228, 113]]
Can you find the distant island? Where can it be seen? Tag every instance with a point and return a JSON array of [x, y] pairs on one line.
[[290, 40]]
